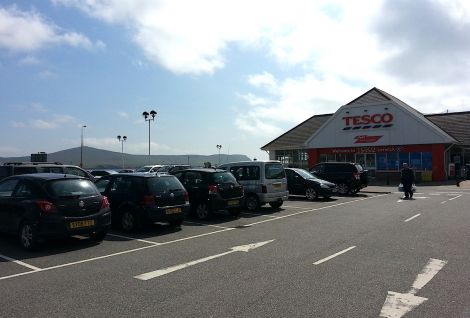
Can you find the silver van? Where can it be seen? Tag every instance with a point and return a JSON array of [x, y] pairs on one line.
[[263, 182]]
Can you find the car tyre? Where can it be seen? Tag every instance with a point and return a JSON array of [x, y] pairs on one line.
[[252, 203], [202, 211], [98, 236], [29, 238], [343, 188], [311, 194], [129, 221], [276, 204]]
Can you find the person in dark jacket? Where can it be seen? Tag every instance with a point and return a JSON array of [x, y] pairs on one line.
[[407, 179]]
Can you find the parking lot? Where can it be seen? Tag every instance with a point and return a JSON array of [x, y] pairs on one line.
[[79, 249], [334, 258]]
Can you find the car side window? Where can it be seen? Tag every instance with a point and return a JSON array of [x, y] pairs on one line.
[[25, 170], [245, 172], [75, 171], [7, 187], [53, 169]]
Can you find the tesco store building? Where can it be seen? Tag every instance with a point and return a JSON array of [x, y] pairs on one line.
[[380, 132]]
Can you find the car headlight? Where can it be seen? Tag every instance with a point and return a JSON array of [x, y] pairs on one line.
[[324, 186]]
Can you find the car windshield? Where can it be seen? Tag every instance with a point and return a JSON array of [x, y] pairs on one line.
[[305, 174], [274, 171], [224, 177], [71, 188], [164, 184]]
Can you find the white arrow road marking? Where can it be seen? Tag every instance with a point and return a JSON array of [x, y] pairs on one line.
[[161, 272], [397, 305]]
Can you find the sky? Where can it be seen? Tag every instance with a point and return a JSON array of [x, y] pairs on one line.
[[217, 72]]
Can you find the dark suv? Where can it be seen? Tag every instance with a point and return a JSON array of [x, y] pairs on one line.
[[16, 168], [139, 198], [348, 176], [211, 190], [42, 205]]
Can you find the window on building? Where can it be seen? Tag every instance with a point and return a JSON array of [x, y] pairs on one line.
[[392, 161], [427, 161], [415, 160]]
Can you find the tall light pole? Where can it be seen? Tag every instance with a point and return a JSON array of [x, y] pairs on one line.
[[219, 147], [149, 117], [122, 139], [81, 146]]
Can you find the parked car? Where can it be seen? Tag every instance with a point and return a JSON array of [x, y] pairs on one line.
[[98, 173], [211, 190], [44, 205], [302, 182], [16, 168], [172, 169], [126, 171], [348, 176], [139, 198], [149, 169], [263, 181]]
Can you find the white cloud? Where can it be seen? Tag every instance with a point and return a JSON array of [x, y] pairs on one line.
[[24, 31], [29, 60], [17, 124], [43, 124], [123, 114], [55, 121]]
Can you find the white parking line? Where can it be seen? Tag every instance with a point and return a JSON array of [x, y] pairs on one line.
[[451, 199], [293, 207], [133, 239], [313, 210], [411, 218], [258, 214], [216, 226], [34, 268], [334, 255]]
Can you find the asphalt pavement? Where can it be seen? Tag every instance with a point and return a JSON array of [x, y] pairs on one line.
[[372, 254]]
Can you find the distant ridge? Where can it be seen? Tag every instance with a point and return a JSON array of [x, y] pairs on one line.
[[94, 158]]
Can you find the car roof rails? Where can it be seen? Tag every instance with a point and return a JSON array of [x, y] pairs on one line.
[[30, 163]]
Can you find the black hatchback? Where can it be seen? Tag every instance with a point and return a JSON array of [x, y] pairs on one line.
[[302, 182], [139, 198], [43, 205], [211, 190]]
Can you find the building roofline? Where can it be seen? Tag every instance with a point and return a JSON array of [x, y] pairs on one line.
[[321, 115]]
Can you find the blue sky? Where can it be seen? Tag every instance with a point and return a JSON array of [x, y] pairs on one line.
[[234, 73]]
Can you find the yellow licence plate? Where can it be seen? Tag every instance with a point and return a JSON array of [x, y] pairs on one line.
[[173, 210], [79, 224], [232, 202]]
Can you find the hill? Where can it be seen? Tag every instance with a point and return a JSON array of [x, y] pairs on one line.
[[94, 158]]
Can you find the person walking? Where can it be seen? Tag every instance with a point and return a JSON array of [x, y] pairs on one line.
[[407, 179]]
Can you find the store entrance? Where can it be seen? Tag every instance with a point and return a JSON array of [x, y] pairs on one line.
[[367, 161]]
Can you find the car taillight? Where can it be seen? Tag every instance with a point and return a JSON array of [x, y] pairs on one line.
[[213, 189], [104, 203], [148, 200], [46, 207], [186, 197], [357, 175], [264, 189]]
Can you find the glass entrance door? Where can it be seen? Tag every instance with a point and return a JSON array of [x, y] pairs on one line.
[[367, 161]]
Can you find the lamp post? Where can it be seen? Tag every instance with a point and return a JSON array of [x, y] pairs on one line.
[[81, 146], [122, 139], [149, 117], [219, 147]]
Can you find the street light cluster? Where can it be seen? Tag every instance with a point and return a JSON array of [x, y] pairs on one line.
[[149, 117], [122, 140]]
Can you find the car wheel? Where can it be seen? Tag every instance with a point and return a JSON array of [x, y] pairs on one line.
[[343, 188], [175, 223], [235, 211], [354, 191], [28, 236], [252, 203], [202, 211], [98, 236], [311, 194], [276, 204], [129, 221]]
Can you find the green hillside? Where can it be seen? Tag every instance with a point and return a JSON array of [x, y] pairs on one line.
[[96, 158]]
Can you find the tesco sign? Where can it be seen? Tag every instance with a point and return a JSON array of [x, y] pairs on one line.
[[374, 119]]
